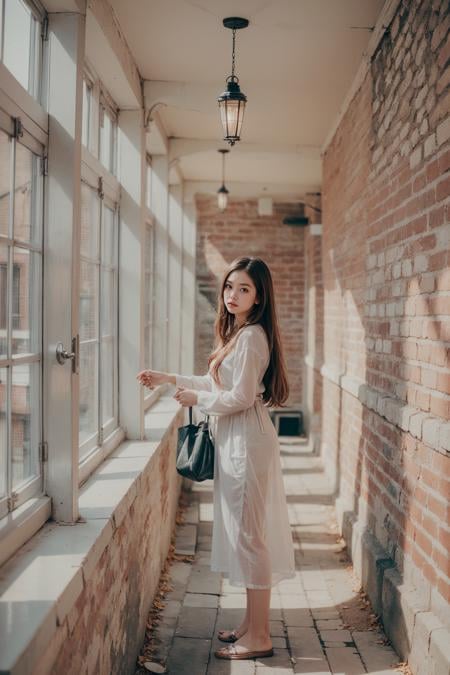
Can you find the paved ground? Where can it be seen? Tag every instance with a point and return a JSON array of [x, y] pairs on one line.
[[320, 622]]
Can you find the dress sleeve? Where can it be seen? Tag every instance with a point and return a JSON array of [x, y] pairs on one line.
[[247, 374], [199, 382]]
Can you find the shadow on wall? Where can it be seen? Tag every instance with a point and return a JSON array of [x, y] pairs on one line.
[[385, 259]]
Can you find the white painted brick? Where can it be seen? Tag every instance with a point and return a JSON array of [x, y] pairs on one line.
[[400, 308], [415, 424], [390, 309], [424, 126], [420, 263], [405, 416], [405, 328], [430, 431], [397, 270], [371, 261], [394, 328], [430, 145], [444, 437], [387, 346], [415, 158], [443, 131], [440, 651], [406, 268]]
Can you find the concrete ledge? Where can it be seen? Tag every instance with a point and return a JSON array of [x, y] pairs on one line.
[[417, 634], [47, 587]]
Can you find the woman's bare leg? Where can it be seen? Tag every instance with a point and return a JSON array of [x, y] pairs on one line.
[[257, 637], [243, 626]]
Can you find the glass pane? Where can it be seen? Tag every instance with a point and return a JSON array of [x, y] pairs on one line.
[[17, 40], [106, 155], [5, 180], [88, 390], [25, 425], [26, 302], [88, 300], [108, 237], [90, 215], [3, 300], [108, 369], [3, 432], [86, 114], [107, 303], [27, 197]]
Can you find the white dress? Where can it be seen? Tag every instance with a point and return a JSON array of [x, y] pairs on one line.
[[252, 541]]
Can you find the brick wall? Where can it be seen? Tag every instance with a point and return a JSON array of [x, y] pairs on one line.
[[386, 397], [221, 237], [101, 628], [314, 330]]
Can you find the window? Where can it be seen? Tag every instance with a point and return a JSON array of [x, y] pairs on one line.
[[21, 212], [87, 113], [23, 32], [15, 296], [148, 293], [99, 287], [108, 137], [98, 319]]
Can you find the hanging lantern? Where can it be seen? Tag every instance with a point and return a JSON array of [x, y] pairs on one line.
[[222, 192], [232, 101]]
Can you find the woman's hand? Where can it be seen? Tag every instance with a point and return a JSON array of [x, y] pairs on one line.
[[152, 378], [186, 397]]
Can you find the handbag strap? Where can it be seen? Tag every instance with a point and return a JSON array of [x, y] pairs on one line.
[[190, 415]]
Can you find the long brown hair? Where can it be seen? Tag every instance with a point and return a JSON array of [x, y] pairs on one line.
[[264, 313]]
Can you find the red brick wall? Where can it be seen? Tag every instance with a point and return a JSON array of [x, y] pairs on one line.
[[386, 398], [239, 230], [314, 330]]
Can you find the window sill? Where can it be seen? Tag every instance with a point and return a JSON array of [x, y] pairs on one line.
[[40, 584], [21, 524]]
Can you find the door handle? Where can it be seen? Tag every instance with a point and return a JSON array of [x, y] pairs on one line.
[[62, 355]]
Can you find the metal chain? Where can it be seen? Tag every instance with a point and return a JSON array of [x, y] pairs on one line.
[[233, 58]]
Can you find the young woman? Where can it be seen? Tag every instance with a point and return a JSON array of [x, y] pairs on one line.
[[251, 542]]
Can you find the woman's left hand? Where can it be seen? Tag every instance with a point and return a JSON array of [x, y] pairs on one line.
[[185, 397]]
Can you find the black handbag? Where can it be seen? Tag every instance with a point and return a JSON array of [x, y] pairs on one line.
[[195, 450]]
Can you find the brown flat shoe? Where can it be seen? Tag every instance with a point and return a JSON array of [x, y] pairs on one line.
[[231, 654], [231, 637]]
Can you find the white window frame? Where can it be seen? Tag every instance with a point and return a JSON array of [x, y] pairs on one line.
[[38, 88], [106, 105], [30, 126], [94, 450]]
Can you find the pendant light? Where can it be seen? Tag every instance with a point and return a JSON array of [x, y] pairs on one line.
[[222, 192], [232, 101]]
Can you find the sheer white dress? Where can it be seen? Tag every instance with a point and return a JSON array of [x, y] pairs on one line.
[[252, 541]]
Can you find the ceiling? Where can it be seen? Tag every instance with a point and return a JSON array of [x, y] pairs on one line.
[[295, 61]]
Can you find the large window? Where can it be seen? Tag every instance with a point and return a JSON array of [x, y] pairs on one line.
[[98, 269], [21, 212], [98, 318], [108, 136], [21, 49], [148, 293]]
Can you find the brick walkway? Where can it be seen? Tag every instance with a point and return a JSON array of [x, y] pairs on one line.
[[320, 623]]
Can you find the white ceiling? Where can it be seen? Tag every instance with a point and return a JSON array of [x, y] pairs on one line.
[[295, 61]]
